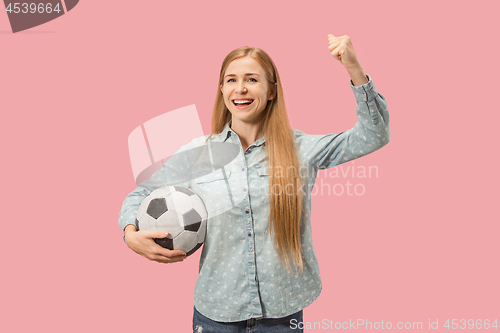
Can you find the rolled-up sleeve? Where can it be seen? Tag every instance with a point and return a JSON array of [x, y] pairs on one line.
[[370, 133]]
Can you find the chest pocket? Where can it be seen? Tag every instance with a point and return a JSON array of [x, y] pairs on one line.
[[263, 171], [211, 177], [263, 189], [215, 192]]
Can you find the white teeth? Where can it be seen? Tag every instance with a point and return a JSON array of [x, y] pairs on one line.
[[243, 101]]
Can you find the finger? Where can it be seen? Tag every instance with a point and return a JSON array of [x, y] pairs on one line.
[[155, 234], [164, 260], [158, 252], [173, 259], [340, 38], [169, 253], [162, 234], [342, 47], [335, 54], [332, 46], [330, 36], [338, 53]]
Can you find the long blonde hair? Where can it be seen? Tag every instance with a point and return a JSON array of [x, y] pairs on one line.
[[281, 147]]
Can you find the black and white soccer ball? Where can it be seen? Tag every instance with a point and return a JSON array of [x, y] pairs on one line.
[[178, 211]]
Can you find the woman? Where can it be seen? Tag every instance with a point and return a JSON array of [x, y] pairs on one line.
[[258, 268]]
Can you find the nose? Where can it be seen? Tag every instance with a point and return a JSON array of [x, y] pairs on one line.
[[241, 89]]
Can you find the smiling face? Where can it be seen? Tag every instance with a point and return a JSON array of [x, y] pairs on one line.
[[245, 90]]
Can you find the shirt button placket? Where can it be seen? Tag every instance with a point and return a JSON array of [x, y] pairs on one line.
[[250, 233], [254, 293]]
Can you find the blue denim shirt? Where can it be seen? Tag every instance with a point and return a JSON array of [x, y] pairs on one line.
[[240, 272]]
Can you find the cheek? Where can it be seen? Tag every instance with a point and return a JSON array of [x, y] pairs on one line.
[[225, 94], [226, 101]]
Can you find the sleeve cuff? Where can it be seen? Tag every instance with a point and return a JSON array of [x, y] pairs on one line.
[[365, 92]]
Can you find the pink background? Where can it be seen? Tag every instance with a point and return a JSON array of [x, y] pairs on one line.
[[421, 243]]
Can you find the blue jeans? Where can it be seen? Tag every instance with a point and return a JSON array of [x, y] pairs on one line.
[[202, 324]]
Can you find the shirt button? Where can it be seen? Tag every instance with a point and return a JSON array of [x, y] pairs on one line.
[[249, 235], [246, 211], [244, 190], [248, 151], [242, 169]]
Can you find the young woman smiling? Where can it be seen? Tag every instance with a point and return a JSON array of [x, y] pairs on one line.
[[258, 269]]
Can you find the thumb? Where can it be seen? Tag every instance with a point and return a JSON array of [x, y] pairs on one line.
[[331, 36]]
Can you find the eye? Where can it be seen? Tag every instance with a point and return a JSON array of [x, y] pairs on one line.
[[254, 80], [230, 80]]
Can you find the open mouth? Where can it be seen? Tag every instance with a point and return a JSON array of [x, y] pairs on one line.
[[242, 103]]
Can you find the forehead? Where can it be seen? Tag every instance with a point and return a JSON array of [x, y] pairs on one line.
[[244, 65]]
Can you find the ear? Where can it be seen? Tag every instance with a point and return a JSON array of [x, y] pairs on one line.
[[273, 91], [221, 89]]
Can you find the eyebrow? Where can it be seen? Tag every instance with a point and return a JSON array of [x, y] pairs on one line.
[[247, 74]]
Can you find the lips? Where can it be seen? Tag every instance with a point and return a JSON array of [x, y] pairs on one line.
[[241, 103]]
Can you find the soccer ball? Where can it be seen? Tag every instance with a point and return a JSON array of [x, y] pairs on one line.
[[178, 211]]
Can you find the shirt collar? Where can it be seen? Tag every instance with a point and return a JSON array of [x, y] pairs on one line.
[[227, 132]]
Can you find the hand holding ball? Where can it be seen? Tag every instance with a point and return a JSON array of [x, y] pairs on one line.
[[178, 211]]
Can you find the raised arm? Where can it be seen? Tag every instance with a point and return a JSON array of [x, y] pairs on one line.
[[370, 133]]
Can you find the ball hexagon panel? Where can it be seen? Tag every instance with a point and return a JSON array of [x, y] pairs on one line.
[[186, 241], [169, 222], [182, 204], [146, 222], [202, 231], [199, 206], [170, 202]]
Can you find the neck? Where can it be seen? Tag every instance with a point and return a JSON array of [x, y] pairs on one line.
[[247, 132]]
